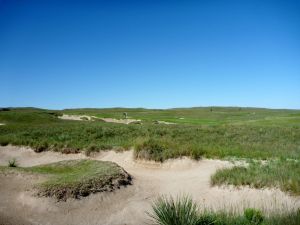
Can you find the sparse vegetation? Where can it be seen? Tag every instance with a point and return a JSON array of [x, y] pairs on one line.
[[183, 211], [77, 178], [283, 174]]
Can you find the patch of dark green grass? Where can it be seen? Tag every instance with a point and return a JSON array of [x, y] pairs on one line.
[[281, 173], [77, 178]]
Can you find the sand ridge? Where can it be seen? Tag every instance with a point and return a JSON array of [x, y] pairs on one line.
[[128, 205]]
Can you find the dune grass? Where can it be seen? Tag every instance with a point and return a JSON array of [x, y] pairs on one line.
[[76, 178], [183, 211], [42, 130], [280, 173]]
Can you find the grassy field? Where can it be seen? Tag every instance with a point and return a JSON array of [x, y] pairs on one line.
[[200, 115], [215, 132], [76, 178], [42, 130]]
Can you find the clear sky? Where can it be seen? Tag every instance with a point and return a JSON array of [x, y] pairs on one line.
[[153, 54]]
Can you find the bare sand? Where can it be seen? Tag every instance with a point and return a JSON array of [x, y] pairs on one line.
[[108, 120], [128, 205], [164, 122], [73, 117]]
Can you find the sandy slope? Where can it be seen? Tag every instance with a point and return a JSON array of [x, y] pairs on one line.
[[127, 205], [108, 120]]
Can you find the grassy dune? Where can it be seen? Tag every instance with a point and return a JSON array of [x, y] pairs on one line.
[[76, 178]]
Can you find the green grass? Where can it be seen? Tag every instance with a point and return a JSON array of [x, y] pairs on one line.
[[76, 178], [247, 133], [175, 211], [201, 115], [42, 130], [183, 211], [283, 174]]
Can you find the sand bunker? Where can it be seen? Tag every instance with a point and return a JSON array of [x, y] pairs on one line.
[[108, 120], [163, 122], [124, 121], [127, 205], [75, 117]]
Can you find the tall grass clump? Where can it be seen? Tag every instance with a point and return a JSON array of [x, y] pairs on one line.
[[170, 211], [12, 163]]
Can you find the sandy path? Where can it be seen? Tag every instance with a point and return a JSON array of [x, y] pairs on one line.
[[127, 205]]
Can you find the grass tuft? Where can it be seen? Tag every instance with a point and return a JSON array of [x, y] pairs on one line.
[[12, 163], [180, 211]]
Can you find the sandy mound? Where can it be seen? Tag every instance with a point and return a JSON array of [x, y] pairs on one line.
[[128, 205], [108, 120]]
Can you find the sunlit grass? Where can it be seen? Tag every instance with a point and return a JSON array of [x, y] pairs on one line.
[[283, 174], [184, 211]]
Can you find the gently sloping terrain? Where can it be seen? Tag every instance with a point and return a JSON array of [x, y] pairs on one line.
[[151, 179], [76, 178], [94, 118], [43, 130]]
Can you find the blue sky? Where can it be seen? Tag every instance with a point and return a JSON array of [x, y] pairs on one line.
[[153, 54]]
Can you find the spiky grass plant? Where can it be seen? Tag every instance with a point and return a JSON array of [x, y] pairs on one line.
[[12, 163], [179, 211]]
